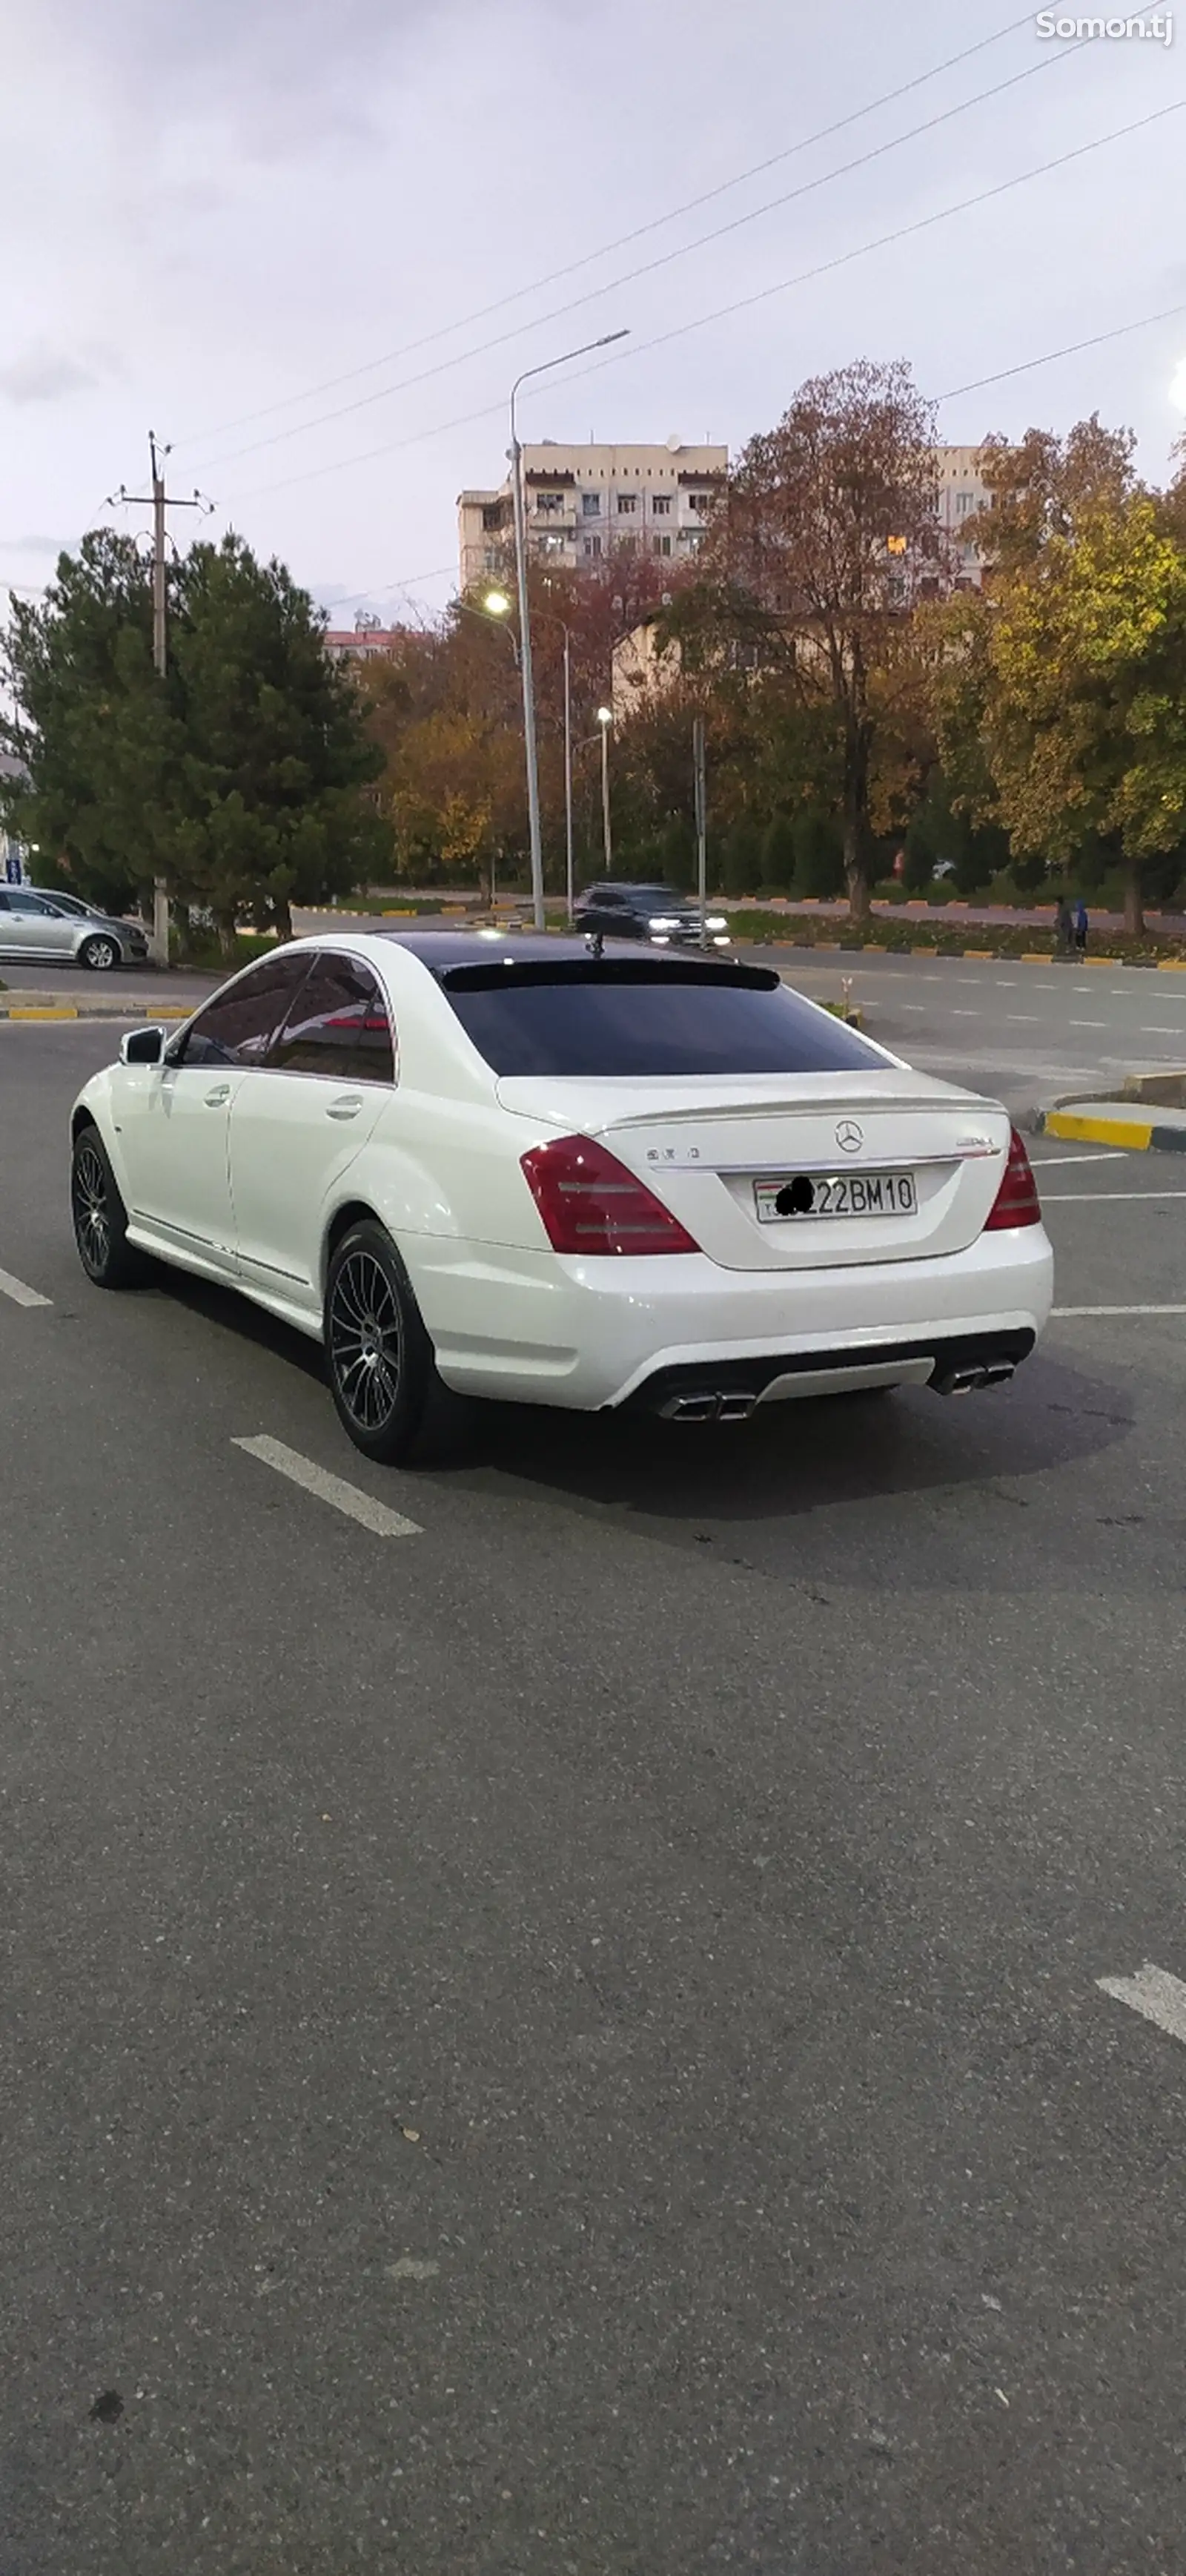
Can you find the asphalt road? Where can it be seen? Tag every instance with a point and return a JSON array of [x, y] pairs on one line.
[[570, 2040]]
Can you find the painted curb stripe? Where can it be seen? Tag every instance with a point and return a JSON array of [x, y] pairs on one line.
[[1136, 1133]]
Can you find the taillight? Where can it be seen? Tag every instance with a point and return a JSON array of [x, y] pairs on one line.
[[589, 1202], [1016, 1201]]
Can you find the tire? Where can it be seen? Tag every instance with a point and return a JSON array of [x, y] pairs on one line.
[[382, 1372], [99, 954], [100, 1217]]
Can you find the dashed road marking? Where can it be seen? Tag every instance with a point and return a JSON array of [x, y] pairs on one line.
[[1106, 1154], [20, 1295], [1154, 1994], [1103, 1198], [1116, 1310], [330, 1489]]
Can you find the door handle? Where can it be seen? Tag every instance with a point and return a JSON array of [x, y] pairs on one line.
[[347, 1107], [215, 1098]]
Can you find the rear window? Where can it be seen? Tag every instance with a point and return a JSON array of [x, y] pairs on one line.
[[627, 1021]]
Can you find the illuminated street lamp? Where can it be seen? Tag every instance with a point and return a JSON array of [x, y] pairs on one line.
[[605, 717]]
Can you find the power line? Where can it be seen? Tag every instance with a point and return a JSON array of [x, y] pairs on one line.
[[1071, 351], [552, 277], [741, 304], [383, 589], [666, 259]]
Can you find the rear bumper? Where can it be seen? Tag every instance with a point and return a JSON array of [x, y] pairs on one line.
[[535, 1328]]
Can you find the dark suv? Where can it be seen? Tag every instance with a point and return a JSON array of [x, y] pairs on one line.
[[650, 912]]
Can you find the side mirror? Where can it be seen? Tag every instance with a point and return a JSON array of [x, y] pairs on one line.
[[142, 1046]]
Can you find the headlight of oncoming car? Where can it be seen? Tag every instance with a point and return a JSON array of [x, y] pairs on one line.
[[716, 921], [661, 921]]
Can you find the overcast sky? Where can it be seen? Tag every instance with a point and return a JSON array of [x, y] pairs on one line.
[[214, 207]]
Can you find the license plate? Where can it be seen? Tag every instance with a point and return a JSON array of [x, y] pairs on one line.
[[800, 1195]]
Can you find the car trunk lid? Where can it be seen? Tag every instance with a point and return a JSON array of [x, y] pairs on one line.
[[714, 1149]]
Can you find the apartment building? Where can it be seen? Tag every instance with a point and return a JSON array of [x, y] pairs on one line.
[[365, 641], [962, 492], [585, 504]]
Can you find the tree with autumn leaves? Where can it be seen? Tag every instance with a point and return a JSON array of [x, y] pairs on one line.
[[1060, 692]]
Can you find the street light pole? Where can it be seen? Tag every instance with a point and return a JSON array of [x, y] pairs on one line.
[[605, 717], [519, 507], [568, 875]]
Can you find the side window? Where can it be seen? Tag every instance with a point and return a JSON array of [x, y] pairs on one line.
[[338, 1026], [25, 901], [237, 1027]]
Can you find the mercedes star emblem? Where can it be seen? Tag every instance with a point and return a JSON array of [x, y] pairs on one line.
[[849, 1136]]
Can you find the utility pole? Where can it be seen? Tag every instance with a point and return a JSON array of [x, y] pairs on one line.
[[160, 502], [701, 800]]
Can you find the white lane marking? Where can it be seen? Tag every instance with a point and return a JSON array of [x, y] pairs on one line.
[[967, 1015], [1154, 1994], [1118, 1310], [1103, 1198], [1005, 984], [1087, 1024], [1107, 1154], [918, 1007], [330, 1489], [20, 1295], [1157, 1029], [1026, 1019]]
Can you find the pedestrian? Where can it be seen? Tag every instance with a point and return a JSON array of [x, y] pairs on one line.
[[1064, 928], [1081, 927]]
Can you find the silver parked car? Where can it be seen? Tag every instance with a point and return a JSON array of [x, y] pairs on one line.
[[52, 929]]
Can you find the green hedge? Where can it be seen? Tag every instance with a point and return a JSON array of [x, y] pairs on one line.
[[993, 939]]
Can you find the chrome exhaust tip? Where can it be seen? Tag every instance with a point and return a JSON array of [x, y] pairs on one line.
[[970, 1381], [708, 1404]]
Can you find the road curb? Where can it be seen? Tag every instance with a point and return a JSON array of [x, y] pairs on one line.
[[14, 1010], [1136, 1135]]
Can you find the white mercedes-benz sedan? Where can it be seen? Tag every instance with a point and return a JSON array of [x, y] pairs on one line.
[[494, 1165]]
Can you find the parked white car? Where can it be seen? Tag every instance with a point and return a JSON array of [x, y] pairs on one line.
[[505, 1166]]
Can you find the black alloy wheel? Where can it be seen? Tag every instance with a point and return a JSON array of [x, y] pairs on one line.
[[100, 1217], [382, 1370]]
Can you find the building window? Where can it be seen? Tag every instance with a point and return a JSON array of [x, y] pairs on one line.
[[626, 546], [661, 545], [592, 548], [627, 504], [692, 538], [964, 501], [548, 505], [591, 504], [549, 545], [661, 505], [492, 514], [699, 501]]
